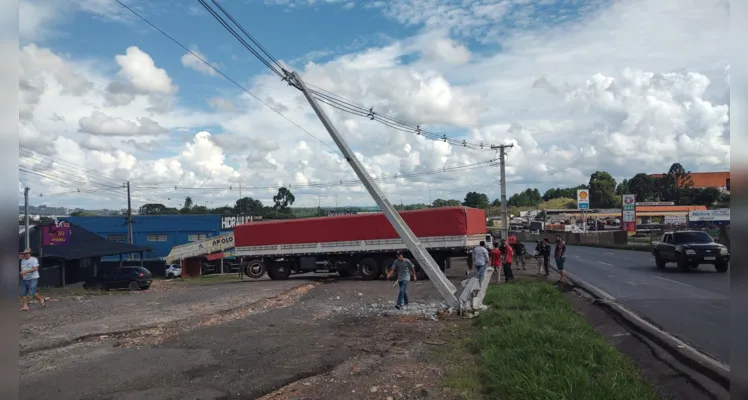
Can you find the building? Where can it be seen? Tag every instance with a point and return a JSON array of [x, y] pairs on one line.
[[703, 180], [159, 232]]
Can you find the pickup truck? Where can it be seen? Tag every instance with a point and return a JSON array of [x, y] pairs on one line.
[[689, 249]]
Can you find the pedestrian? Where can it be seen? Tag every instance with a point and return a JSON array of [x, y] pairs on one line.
[[506, 260], [405, 270], [547, 256], [480, 260], [519, 255], [560, 256], [539, 256], [29, 278], [496, 261]]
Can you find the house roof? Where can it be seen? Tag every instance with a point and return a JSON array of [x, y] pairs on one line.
[[705, 179], [82, 244]]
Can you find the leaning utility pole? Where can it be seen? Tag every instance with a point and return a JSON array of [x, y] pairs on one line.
[[26, 217], [504, 214], [424, 259]]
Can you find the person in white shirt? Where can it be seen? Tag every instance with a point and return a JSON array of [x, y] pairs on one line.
[[480, 260], [29, 278]]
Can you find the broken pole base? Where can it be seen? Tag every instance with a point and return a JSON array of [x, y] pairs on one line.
[[471, 298]]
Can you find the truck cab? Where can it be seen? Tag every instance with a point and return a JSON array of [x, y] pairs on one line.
[[689, 249]]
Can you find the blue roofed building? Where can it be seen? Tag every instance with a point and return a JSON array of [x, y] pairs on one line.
[[159, 232]]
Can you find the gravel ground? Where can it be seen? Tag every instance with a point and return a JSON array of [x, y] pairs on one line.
[[304, 338], [69, 318]]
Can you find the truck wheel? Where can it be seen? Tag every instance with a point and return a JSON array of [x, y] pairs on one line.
[[386, 265], [279, 271], [369, 269], [722, 267], [254, 269], [659, 262]]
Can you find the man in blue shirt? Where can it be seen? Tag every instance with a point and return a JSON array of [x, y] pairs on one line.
[[405, 270], [481, 259], [29, 278]]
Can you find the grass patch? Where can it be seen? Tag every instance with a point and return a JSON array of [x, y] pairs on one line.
[[460, 366], [531, 344]]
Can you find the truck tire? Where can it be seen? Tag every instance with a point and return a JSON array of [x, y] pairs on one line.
[[722, 267], [254, 269], [370, 269], [279, 271], [659, 262], [386, 265]]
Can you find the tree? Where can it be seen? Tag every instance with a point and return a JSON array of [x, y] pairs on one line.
[[187, 205], [644, 187], [223, 210], [496, 203], [445, 203], [676, 184], [80, 213], [602, 190], [199, 210], [248, 205], [152, 209], [476, 200], [283, 199], [623, 187], [706, 197]]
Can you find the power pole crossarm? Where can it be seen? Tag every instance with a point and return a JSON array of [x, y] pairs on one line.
[[504, 214], [424, 259]]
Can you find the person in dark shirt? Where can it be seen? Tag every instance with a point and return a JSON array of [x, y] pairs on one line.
[[546, 252], [519, 255], [560, 256]]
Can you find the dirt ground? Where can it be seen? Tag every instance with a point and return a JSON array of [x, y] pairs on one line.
[[303, 338]]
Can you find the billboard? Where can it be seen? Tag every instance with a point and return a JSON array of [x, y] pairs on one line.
[[628, 212], [229, 222], [583, 199], [709, 215], [56, 235]]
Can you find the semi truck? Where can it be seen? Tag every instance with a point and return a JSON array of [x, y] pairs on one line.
[[361, 244]]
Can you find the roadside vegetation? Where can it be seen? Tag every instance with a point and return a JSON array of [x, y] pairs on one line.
[[531, 344]]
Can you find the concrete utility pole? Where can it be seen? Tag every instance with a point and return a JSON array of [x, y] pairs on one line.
[[422, 256], [26, 216], [504, 215], [129, 218]]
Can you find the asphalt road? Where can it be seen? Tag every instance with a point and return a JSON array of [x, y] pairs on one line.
[[693, 305]]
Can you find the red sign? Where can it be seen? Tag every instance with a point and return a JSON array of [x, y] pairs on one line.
[[215, 256], [55, 235]]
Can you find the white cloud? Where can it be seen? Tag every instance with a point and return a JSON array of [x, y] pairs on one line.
[[189, 60], [101, 124]]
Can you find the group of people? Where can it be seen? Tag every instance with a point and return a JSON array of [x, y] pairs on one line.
[[503, 255]]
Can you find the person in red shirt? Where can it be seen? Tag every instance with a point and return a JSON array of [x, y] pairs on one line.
[[496, 261], [507, 253]]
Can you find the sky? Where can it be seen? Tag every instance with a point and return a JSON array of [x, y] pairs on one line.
[[575, 86]]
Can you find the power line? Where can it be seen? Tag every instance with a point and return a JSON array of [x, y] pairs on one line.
[[224, 75]]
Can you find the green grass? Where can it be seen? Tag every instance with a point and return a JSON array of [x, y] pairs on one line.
[[531, 344]]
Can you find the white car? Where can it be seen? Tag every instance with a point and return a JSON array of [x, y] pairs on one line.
[[173, 271]]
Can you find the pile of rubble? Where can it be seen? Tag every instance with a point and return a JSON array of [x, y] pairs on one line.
[[387, 308]]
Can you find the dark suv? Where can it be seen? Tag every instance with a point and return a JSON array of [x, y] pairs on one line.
[[689, 249]]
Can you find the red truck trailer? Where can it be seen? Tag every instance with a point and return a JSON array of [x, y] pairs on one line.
[[351, 244]]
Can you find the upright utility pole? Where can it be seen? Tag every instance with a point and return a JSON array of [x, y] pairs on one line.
[[504, 214], [129, 218], [26, 216], [424, 259]]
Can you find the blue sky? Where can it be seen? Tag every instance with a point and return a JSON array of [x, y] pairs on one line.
[[470, 72]]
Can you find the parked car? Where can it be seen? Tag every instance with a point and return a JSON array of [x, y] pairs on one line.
[[689, 249], [173, 271], [132, 278]]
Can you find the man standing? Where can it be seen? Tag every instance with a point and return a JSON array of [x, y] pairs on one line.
[[546, 251], [480, 260], [506, 260], [519, 255], [404, 270], [29, 278], [496, 261], [560, 256], [539, 256]]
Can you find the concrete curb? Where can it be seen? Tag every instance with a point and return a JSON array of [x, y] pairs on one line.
[[679, 349]]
